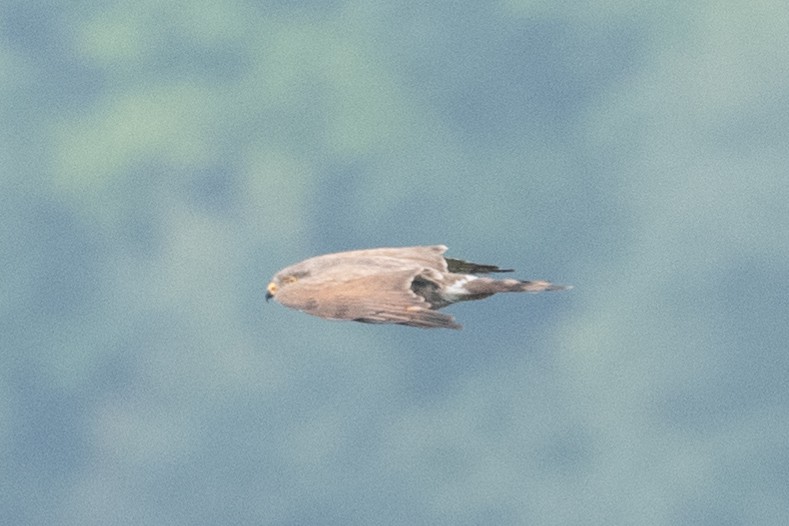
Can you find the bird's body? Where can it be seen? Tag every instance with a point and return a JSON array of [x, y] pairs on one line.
[[390, 285]]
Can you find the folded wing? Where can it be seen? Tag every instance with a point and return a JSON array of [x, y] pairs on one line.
[[381, 298]]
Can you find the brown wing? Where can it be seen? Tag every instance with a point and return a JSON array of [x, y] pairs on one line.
[[385, 297], [386, 258]]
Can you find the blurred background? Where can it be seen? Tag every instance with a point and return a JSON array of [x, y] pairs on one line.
[[160, 161]]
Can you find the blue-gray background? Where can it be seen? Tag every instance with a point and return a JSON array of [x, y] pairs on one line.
[[160, 161]]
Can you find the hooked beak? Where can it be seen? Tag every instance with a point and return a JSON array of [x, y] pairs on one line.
[[271, 288]]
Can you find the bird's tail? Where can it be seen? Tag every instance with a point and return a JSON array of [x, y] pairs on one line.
[[486, 286], [538, 286]]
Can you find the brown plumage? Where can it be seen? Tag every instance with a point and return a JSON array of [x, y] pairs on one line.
[[390, 285]]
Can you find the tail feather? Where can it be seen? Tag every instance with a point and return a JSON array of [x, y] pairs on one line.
[[540, 286], [488, 286]]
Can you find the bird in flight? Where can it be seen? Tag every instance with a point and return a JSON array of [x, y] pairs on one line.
[[404, 285]]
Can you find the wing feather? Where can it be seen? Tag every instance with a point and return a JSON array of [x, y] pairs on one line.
[[371, 261], [382, 297]]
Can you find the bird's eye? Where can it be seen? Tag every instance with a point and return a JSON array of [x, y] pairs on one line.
[[272, 288]]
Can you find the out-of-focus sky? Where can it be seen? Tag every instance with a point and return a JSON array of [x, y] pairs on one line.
[[160, 161]]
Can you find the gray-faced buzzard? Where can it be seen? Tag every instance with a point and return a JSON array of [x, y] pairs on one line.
[[390, 285]]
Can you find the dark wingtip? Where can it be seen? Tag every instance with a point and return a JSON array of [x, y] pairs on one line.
[[466, 267]]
